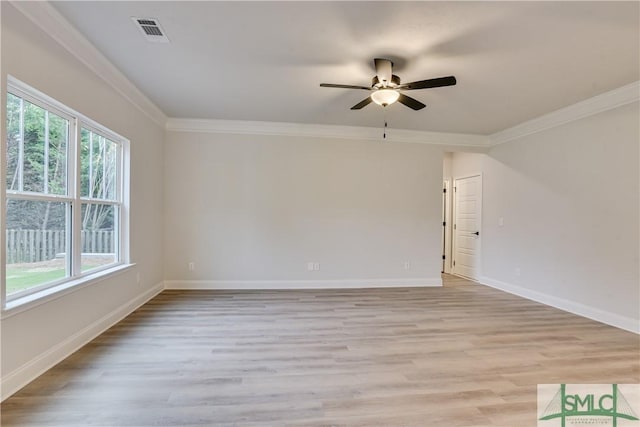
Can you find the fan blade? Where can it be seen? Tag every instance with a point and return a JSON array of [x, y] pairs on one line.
[[362, 103], [430, 83], [414, 104], [384, 71], [344, 86]]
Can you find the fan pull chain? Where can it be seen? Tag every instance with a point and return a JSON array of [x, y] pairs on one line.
[[384, 132]]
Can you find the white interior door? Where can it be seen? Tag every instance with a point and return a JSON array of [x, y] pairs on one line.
[[466, 227]]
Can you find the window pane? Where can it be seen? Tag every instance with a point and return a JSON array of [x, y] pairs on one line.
[[36, 244], [99, 240], [34, 131], [57, 153], [44, 152], [98, 156], [13, 141]]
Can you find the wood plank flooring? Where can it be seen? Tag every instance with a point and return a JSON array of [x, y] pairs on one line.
[[461, 355]]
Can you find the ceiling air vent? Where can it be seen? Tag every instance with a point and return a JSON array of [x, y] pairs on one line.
[[151, 29]]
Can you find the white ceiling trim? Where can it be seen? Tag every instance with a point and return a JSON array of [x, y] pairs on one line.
[[45, 16], [598, 104], [324, 131]]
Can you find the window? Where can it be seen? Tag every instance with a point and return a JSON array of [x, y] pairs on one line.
[[99, 164], [64, 194]]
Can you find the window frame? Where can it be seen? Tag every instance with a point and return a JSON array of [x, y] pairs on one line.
[[74, 275]]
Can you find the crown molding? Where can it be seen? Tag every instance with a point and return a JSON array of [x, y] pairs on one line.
[[597, 104], [47, 18], [324, 131]]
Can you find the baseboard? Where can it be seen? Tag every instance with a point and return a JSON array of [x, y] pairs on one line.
[[23, 375], [302, 284], [602, 316]]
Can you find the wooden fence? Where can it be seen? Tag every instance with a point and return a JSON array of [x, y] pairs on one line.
[[43, 245]]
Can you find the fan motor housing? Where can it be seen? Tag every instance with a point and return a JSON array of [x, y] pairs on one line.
[[395, 81]]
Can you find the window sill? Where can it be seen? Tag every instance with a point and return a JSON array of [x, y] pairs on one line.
[[28, 302]]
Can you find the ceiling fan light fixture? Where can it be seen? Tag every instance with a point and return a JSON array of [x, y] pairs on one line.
[[385, 97], [385, 87]]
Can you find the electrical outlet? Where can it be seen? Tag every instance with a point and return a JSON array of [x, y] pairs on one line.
[[138, 278], [407, 265], [192, 266], [316, 266], [309, 266]]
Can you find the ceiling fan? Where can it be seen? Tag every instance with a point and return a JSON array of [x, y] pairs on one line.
[[386, 88]]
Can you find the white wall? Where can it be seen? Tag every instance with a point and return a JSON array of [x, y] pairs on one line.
[[259, 208], [569, 198], [447, 165], [32, 338], [466, 164]]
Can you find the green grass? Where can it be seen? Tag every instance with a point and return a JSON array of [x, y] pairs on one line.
[[26, 276], [21, 278]]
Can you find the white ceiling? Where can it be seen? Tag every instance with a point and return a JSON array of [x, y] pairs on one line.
[[264, 60]]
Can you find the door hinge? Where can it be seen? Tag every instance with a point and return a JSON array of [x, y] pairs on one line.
[[454, 262], [443, 257], [454, 226], [455, 188], [444, 223], [444, 190]]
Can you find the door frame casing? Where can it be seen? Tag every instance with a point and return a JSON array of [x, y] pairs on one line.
[[453, 231], [448, 220]]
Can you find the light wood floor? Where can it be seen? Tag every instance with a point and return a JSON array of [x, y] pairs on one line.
[[462, 355]]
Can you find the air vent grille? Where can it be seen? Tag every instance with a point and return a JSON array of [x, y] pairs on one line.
[[151, 29]]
